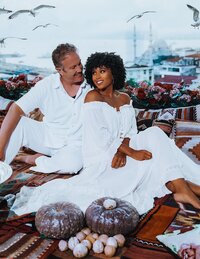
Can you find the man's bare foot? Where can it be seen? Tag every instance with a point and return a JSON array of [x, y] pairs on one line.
[[182, 192], [189, 197], [194, 187], [28, 159]]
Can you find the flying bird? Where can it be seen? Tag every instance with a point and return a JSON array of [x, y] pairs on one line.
[[2, 40], [44, 26], [195, 16], [4, 11], [33, 11], [140, 15]]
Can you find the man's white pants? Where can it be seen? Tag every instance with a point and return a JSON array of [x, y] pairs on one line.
[[31, 133]]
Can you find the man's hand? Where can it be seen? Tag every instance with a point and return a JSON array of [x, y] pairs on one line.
[[119, 160], [141, 155]]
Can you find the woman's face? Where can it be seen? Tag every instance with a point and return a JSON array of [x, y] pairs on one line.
[[102, 77]]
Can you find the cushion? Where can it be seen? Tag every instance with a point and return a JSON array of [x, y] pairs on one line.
[[143, 124], [175, 240], [150, 114], [187, 113], [167, 115], [165, 125], [185, 128]]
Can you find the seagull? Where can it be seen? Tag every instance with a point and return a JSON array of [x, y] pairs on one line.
[[2, 40], [31, 11], [44, 26], [3, 11], [140, 15], [195, 16]]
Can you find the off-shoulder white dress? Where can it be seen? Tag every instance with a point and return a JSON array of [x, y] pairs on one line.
[[138, 182]]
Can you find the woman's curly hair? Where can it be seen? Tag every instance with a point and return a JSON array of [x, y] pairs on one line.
[[109, 60]]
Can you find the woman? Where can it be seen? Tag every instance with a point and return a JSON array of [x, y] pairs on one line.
[[118, 162]]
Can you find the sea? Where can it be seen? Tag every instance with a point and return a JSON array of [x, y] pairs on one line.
[[42, 58]]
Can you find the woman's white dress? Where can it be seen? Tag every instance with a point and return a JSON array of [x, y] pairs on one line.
[[138, 182]]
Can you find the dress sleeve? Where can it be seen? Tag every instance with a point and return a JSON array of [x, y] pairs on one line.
[[132, 127], [99, 143]]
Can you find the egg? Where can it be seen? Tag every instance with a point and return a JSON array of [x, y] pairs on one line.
[[109, 250], [80, 251], [98, 247], [111, 241], [120, 239], [62, 245], [72, 242]]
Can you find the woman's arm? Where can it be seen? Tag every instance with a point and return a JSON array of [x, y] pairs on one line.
[[119, 159], [135, 154]]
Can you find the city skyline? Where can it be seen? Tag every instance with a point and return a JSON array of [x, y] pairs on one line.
[[95, 26]]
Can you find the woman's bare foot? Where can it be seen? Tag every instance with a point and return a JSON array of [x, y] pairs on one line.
[[28, 159]]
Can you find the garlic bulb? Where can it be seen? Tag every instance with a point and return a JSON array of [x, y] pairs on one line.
[[62, 245], [103, 238], [80, 236], [80, 251], [86, 231], [98, 247], [109, 250], [109, 204], [73, 241], [87, 243], [111, 241], [120, 240]]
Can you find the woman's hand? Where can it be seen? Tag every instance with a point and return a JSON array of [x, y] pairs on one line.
[[119, 160], [141, 155]]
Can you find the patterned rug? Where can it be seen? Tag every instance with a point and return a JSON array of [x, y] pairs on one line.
[[190, 146], [20, 239]]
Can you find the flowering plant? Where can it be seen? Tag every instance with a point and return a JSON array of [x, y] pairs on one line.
[[16, 87], [191, 251], [159, 95]]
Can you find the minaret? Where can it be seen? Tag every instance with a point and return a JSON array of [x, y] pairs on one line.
[[134, 44], [150, 46]]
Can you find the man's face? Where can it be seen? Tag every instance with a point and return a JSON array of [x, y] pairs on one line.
[[71, 69]]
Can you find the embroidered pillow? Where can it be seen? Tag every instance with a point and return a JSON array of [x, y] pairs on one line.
[[165, 125], [167, 115], [175, 240]]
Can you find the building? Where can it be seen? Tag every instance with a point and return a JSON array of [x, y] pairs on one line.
[[140, 73]]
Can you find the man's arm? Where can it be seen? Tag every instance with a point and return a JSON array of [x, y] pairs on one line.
[[9, 123]]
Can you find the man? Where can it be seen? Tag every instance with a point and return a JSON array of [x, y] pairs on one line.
[[57, 139]]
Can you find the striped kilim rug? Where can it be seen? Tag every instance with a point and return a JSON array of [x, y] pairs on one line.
[[20, 239]]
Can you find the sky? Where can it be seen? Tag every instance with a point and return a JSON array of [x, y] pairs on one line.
[[95, 25]]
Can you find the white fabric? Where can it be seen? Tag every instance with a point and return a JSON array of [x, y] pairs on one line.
[[59, 135], [5, 171], [138, 182], [4, 102], [175, 240], [62, 113]]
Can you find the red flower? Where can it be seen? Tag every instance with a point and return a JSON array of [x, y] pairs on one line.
[[2, 83], [141, 94]]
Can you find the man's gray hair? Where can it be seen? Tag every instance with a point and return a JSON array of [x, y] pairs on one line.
[[60, 51]]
